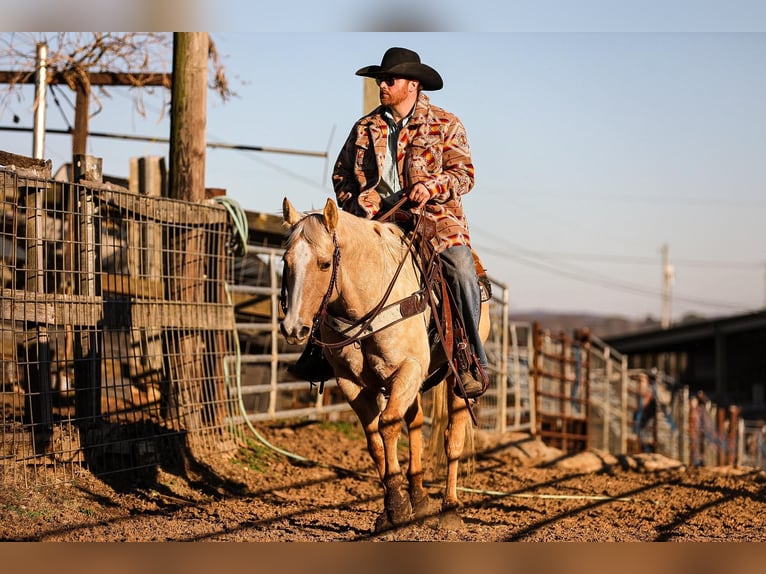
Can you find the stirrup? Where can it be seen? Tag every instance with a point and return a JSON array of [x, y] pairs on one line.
[[312, 366], [470, 387]]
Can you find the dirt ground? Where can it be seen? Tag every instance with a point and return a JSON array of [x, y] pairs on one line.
[[517, 490]]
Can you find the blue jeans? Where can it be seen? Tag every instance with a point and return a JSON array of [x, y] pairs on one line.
[[460, 274]]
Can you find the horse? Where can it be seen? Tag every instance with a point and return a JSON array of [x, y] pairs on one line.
[[351, 272]]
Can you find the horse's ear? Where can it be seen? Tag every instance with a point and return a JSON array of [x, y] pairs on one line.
[[330, 214], [289, 213]]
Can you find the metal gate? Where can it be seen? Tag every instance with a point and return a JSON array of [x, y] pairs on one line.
[[560, 372]]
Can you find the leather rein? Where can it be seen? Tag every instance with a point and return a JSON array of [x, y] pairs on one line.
[[363, 327]]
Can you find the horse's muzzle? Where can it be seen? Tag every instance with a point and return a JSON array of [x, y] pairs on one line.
[[295, 335]]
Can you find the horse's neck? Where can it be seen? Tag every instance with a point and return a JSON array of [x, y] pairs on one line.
[[367, 268]]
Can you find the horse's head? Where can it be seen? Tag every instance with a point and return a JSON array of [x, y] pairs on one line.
[[308, 267]]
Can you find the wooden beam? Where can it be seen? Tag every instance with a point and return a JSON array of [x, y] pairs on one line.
[[94, 78]]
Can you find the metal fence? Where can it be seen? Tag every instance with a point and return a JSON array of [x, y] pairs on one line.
[[116, 327], [588, 398]]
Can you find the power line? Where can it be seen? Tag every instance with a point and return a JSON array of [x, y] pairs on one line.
[[685, 201], [166, 140], [586, 276], [646, 260]]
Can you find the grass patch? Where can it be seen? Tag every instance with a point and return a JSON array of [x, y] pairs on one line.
[[254, 455], [349, 429]]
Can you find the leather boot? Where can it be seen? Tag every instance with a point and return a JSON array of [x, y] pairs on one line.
[[312, 366], [473, 385]]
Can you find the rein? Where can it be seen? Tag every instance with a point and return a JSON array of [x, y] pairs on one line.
[[363, 330]]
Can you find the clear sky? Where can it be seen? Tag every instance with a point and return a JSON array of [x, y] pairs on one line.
[[594, 146]]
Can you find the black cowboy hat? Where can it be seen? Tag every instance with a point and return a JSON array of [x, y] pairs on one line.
[[406, 64]]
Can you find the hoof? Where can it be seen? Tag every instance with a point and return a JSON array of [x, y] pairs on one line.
[[421, 507], [382, 523], [398, 506], [401, 514], [449, 519]]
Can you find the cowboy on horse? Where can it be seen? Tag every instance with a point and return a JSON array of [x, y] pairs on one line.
[[411, 155]]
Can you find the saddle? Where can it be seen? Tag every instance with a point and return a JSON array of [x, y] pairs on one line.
[[450, 347]]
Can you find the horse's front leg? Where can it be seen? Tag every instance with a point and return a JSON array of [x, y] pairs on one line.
[[405, 386], [418, 494], [364, 403]]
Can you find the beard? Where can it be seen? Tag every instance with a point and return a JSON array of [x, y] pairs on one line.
[[392, 97]]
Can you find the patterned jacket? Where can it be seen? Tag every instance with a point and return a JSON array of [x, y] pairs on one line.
[[432, 149]]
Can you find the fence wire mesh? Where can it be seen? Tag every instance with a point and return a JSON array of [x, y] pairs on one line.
[[115, 328]]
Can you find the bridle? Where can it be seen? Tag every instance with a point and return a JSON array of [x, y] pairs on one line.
[[363, 329]]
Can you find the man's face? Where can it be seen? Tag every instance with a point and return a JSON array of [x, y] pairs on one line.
[[393, 90]]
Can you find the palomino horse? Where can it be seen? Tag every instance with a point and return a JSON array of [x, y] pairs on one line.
[[347, 266]]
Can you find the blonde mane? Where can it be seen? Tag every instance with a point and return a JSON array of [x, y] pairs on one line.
[[356, 233]]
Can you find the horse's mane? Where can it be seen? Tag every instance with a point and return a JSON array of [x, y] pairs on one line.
[[384, 236], [312, 229]]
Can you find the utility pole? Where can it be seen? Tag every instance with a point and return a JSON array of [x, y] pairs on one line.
[[667, 280], [188, 116], [370, 96], [41, 79]]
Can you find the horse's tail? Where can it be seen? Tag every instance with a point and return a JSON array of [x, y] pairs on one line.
[[439, 415]]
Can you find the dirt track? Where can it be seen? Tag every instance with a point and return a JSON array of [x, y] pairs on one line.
[[519, 490]]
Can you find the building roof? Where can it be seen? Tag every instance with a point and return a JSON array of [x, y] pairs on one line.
[[686, 335]]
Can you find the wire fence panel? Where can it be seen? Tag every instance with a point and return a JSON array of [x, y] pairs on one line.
[[116, 325]]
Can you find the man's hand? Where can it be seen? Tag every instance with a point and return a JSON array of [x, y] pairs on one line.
[[419, 194]]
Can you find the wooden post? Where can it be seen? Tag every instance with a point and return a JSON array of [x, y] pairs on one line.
[[188, 116], [81, 110], [565, 398], [720, 433], [731, 441], [536, 366], [87, 355], [39, 411], [185, 275], [370, 95], [585, 349], [148, 177]]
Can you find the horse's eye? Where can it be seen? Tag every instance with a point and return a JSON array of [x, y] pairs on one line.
[[325, 265]]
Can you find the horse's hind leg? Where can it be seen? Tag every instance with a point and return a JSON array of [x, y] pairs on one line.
[[418, 494], [454, 443]]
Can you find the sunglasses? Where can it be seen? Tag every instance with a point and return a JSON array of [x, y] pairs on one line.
[[388, 80]]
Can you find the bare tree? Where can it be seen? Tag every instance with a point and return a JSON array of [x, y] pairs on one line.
[[101, 60]]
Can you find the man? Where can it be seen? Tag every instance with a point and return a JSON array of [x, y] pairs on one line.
[[409, 147]]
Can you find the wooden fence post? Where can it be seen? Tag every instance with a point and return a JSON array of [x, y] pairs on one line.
[[39, 411], [87, 354], [148, 177]]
